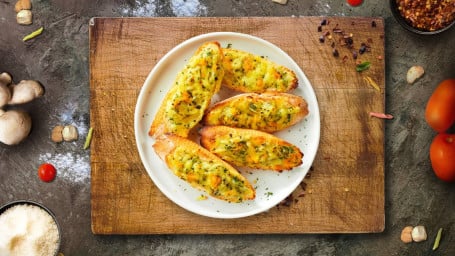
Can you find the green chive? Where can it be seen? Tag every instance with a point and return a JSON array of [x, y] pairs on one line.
[[437, 240], [88, 139]]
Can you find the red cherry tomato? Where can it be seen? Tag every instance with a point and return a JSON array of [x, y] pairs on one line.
[[440, 110], [354, 2], [46, 172], [442, 156]]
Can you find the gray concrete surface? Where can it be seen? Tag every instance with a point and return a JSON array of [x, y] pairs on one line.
[[59, 59]]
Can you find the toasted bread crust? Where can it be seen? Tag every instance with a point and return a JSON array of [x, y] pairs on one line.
[[185, 103], [246, 72], [202, 169], [250, 148], [268, 112]]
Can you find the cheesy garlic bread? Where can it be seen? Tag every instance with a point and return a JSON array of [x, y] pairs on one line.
[[268, 112], [190, 95], [247, 72], [202, 169], [250, 148]]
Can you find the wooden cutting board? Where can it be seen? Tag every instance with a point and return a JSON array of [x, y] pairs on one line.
[[344, 191]]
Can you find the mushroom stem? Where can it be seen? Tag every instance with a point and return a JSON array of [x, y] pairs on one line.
[[25, 91]]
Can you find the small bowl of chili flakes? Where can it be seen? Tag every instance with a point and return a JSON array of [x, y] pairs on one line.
[[426, 17]]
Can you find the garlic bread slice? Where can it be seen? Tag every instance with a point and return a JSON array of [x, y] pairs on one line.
[[202, 169], [250, 148], [268, 112], [247, 72], [185, 103]]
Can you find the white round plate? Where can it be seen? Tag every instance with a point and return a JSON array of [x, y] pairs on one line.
[[271, 187]]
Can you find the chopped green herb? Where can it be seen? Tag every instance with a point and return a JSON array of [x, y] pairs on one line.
[[437, 240], [33, 34], [362, 66], [89, 138], [229, 45], [268, 193]]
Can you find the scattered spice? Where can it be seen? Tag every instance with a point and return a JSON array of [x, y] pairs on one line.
[[345, 58], [363, 48], [363, 66], [373, 24], [427, 15], [335, 53], [354, 55], [437, 240], [324, 22], [381, 115], [33, 34], [321, 39]]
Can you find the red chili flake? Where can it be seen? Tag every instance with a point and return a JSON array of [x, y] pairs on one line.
[[345, 58], [381, 115]]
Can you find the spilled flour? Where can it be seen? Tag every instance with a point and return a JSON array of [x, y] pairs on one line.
[[179, 8], [188, 8], [74, 168]]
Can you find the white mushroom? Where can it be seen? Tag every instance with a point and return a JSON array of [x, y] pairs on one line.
[[5, 93], [25, 91], [15, 125]]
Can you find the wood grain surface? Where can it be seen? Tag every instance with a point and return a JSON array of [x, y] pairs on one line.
[[344, 191]]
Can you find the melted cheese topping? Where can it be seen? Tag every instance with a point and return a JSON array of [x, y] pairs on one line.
[[264, 114], [247, 72], [185, 103], [211, 176], [256, 151]]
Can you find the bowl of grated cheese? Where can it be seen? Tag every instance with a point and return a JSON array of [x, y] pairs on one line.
[[28, 228]]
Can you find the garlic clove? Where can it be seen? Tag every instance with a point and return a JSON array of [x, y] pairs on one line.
[[414, 73], [69, 133], [406, 236], [24, 17], [419, 234]]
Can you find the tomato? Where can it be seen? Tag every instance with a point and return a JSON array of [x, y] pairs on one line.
[[47, 172], [354, 2], [442, 156], [440, 110]]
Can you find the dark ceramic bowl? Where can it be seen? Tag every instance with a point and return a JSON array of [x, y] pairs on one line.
[[400, 19], [6, 206]]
